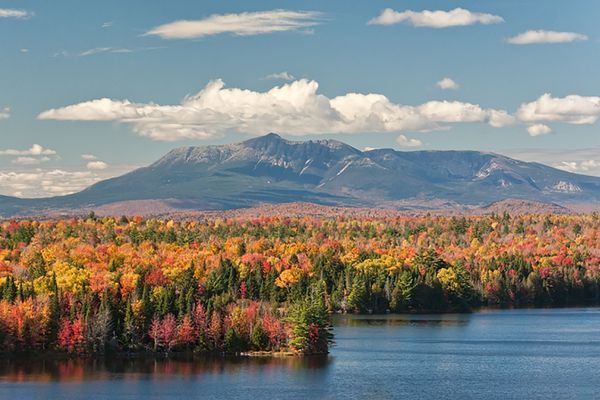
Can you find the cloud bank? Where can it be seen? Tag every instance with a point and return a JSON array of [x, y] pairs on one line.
[[34, 150], [294, 108], [435, 19], [243, 24], [44, 182], [581, 161], [30, 160], [41, 183]]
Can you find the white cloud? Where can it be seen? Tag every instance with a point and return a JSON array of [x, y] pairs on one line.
[[23, 160], [591, 167], [447, 84], [403, 141], [572, 109], [100, 50], [435, 19], [107, 24], [96, 165], [540, 36], [243, 24], [61, 53], [582, 161], [539, 130], [5, 113], [24, 51], [88, 157], [293, 108], [40, 182], [285, 76], [14, 13], [34, 150]]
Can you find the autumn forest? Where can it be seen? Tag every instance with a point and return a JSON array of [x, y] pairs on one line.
[[99, 285]]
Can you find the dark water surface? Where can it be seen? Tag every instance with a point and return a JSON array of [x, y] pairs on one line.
[[508, 354]]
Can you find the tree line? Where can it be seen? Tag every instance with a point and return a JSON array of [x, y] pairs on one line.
[[100, 285]]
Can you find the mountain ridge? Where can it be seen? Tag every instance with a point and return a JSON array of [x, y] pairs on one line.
[[271, 169]]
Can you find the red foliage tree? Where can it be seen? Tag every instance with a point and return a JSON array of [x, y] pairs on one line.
[[169, 332], [186, 334], [155, 332], [214, 331]]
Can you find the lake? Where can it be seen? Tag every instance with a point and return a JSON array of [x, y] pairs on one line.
[[491, 354]]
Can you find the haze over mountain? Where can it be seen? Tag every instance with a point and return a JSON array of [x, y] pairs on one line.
[[270, 169]]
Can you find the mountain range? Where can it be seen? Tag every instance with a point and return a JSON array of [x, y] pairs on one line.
[[272, 170]]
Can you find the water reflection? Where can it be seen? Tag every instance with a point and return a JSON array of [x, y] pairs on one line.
[[399, 320], [495, 354], [79, 370]]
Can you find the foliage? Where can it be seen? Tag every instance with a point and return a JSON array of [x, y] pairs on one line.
[[127, 284]]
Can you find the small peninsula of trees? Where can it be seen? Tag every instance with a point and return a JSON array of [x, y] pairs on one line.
[[100, 285]]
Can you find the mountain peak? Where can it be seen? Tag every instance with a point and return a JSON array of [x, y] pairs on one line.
[[272, 136], [271, 169], [265, 139]]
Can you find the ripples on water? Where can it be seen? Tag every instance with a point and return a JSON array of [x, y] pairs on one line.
[[490, 354]]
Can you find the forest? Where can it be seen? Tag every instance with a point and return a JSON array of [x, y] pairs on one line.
[[103, 285]]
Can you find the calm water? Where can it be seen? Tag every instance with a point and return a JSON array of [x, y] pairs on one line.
[[512, 354]]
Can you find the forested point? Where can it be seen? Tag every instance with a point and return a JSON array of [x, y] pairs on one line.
[[102, 285]]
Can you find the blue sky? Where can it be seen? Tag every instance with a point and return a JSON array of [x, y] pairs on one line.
[[71, 53]]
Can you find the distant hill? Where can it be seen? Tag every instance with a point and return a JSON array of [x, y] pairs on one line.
[[272, 170], [519, 207]]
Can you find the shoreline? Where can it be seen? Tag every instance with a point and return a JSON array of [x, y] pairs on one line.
[[55, 355]]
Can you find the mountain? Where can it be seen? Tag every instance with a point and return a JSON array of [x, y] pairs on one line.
[[270, 169]]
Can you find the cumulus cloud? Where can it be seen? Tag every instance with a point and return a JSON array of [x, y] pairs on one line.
[[243, 24], [293, 108], [539, 130], [435, 19], [541, 36], [572, 109], [96, 165], [30, 160], [284, 76], [34, 150], [14, 13], [89, 157], [107, 24], [403, 141], [447, 84], [4, 113]]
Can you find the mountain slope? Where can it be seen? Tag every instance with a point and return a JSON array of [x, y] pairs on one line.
[[269, 169]]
